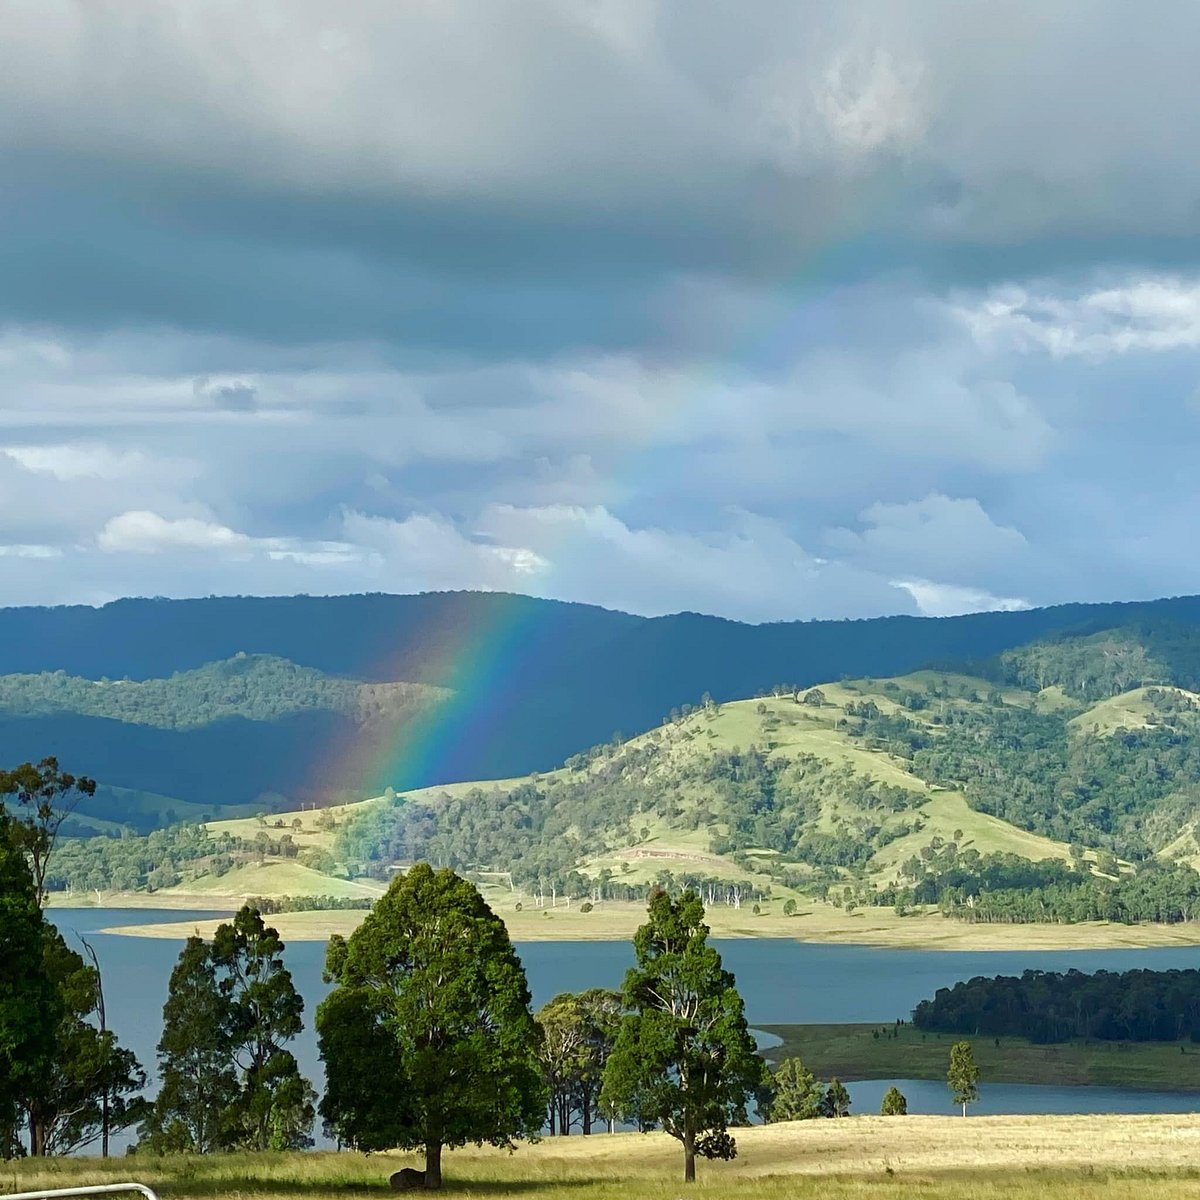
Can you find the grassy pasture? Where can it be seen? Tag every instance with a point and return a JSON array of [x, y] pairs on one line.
[[880, 1158], [850, 1052]]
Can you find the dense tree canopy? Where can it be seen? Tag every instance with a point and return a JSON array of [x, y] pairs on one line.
[[684, 1058], [427, 1037], [30, 1007], [1045, 1006]]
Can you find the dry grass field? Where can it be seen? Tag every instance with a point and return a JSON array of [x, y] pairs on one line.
[[613, 921], [880, 1158]]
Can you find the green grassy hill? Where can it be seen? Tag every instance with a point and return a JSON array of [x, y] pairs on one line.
[[927, 788]]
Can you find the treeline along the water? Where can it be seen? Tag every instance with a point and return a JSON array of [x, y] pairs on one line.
[[1046, 1006]]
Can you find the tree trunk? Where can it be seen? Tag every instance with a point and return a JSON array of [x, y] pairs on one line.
[[964, 1108], [433, 1166], [37, 1134], [689, 1154]]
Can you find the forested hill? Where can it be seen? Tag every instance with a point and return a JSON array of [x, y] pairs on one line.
[[996, 800], [533, 681]]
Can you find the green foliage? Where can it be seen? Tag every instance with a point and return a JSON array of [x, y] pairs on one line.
[[91, 1084], [963, 1075], [895, 1104], [427, 1038], [228, 1079], [1107, 663], [196, 1104], [836, 1101], [39, 799], [684, 1058], [264, 1013], [30, 1006], [256, 687], [160, 859], [796, 1094], [1045, 1006], [578, 1032]]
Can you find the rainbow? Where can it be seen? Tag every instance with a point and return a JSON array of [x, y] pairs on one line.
[[475, 662]]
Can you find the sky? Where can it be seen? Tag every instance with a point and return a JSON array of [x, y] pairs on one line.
[[776, 311]]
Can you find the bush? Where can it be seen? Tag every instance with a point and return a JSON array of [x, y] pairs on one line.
[[586, 907]]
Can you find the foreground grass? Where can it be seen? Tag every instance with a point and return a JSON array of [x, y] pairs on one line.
[[852, 1052], [613, 921], [931, 1158]]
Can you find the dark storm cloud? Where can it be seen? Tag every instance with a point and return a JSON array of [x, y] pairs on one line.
[[776, 310]]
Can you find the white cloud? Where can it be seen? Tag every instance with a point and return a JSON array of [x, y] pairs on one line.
[[142, 532], [29, 551], [949, 600], [81, 461], [1150, 314], [935, 536]]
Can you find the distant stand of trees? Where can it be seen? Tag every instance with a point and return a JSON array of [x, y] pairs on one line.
[[270, 905], [1005, 889], [1046, 1006]]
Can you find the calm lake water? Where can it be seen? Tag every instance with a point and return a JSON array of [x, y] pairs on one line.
[[782, 982]]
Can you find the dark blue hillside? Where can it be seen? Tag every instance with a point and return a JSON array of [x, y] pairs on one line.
[[562, 677]]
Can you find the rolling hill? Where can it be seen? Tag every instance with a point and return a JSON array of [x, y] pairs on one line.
[[934, 787], [230, 706]]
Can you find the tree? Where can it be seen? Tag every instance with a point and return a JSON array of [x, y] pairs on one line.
[[796, 1093], [564, 1057], [30, 1007], [894, 1103], [963, 1076], [836, 1102], [199, 1090], [275, 1107], [45, 797], [789, 907], [684, 1058], [90, 1085], [578, 1033], [427, 1038]]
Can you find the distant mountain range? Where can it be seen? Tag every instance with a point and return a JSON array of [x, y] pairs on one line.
[[225, 705]]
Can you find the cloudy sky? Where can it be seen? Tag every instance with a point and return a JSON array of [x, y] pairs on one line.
[[774, 310]]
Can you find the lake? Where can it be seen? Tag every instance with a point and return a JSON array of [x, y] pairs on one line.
[[782, 982]]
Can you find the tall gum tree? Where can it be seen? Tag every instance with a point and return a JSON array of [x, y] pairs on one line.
[[30, 1006], [684, 1057], [427, 1039]]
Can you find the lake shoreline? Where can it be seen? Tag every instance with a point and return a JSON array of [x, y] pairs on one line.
[[868, 1051], [820, 924]]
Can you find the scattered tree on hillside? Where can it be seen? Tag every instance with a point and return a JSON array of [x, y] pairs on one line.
[[963, 1076], [796, 1094], [684, 1058], [427, 1038], [895, 1104]]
